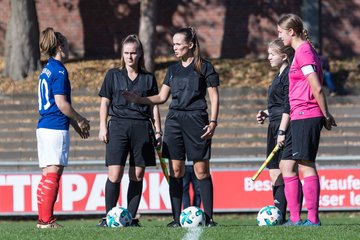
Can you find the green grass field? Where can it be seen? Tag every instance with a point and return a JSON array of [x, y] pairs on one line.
[[242, 226]]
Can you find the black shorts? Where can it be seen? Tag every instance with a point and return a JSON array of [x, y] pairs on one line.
[[272, 141], [183, 130], [304, 143], [130, 136]]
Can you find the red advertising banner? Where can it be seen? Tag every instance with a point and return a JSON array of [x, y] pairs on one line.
[[234, 191]]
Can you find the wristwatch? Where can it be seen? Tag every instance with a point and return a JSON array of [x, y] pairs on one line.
[[160, 133], [281, 132]]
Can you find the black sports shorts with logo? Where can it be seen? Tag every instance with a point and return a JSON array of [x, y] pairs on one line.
[[305, 139]]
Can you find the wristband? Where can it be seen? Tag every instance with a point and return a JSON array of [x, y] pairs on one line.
[[160, 133], [281, 132]]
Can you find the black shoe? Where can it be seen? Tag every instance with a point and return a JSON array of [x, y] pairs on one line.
[[173, 224], [211, 223], [102, 223], [135, 223]]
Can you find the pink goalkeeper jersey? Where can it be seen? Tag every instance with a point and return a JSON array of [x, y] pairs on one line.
[[302, 102]]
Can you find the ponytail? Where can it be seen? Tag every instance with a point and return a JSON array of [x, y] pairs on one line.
[[307, 37], [49, 41]]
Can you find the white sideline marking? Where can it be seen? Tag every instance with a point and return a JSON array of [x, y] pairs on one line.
[[193, 233]]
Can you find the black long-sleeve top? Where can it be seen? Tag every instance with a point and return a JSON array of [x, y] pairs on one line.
[[278, 96]]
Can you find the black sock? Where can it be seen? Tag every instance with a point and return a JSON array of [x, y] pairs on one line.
[[176, 192], [206, 195], [134, 196], [280, 199], [112, 190]]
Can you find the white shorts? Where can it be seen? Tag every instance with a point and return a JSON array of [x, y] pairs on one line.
[[53, 147]]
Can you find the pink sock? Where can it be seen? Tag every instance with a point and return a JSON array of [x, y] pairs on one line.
[[292, 193], [311, 195]]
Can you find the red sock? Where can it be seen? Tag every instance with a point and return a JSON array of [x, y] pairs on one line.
[[311, 195], [50, 191], [292, 193], [40, 196]]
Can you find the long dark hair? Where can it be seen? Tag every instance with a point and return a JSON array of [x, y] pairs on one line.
[[132, 38], [190, 37]]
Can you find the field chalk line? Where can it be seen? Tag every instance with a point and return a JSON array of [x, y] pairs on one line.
[[193, 233]]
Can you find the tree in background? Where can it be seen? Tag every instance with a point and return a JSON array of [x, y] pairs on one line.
[[22, 55], [147, 31]]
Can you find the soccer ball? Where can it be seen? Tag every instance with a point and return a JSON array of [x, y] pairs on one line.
[[118, 217], [192, 217], [269, 216]]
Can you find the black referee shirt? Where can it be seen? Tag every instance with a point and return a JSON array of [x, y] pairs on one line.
[[116, 82], [278, 96], [188, 88]]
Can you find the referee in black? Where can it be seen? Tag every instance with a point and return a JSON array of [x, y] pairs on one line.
[[126, 127], [188, 130]]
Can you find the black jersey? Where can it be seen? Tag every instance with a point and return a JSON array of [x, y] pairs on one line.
[[188, 87], [116, 82], [278, 96]]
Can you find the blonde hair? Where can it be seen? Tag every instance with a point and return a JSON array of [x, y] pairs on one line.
[[132, 38], [50, 40], [278, 46], [191, 37], [294, 22]]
